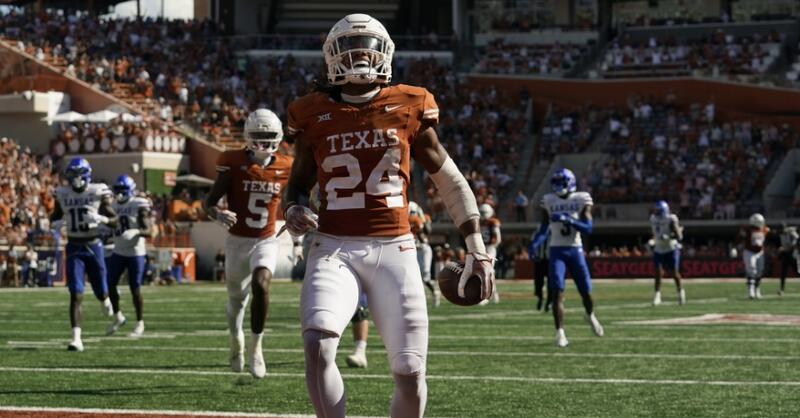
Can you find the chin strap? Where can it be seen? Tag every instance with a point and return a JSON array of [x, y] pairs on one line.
[[361, 98]]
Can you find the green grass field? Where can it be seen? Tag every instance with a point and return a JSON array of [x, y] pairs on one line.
[[492, 361]]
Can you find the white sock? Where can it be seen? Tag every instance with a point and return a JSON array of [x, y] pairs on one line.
[[76, 333], [120, 316], [361, 347], [256, 338], [106, 302], [140, 324]]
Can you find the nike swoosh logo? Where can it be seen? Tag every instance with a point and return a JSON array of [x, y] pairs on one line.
[[406, 248], [278, 172], [390, 108]]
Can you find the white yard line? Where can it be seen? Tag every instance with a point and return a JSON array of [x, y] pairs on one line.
[[435, 336], [429, 377], [100, 411], [60, 346]]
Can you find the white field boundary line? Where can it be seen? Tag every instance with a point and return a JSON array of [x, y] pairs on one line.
[[59, 346], [100, 411], [429, 377], [97, 337]]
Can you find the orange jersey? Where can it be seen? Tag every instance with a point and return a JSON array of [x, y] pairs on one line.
[[363, 156], [490, 230], [255, 191], [754, 238]]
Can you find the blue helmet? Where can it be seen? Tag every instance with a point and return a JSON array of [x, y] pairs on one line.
[[563, 182], [661, 208], [78, 173], [124, 188]]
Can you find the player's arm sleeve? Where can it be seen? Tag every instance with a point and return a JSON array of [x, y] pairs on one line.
[[427, 115], [107, 210], [293, 125], [144, 220], [584, 223], [220, 187], [676, 229], [58, 213]]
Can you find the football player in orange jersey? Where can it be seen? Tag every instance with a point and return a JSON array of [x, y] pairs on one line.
[[490, 229], [356, 137], [752, 238], [253, 179]]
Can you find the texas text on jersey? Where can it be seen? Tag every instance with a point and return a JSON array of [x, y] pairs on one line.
[[255, 191], [364, 156]]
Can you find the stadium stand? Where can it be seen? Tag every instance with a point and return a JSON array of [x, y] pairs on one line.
[[710, 168], [720, 54]]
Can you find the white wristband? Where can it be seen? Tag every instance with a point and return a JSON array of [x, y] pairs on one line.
[[474, 243]]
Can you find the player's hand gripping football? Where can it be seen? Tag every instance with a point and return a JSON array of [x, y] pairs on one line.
[[482, 266], [299, 220]]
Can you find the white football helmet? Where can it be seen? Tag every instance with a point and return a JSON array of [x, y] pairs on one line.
[[486, 211], [757, 220], [263, 133], [355, 34]]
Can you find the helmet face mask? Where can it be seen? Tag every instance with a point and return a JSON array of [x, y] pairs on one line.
[[757, 220], [263, 133], [563, 182], [358, 50], [486, 211], [78, 173], [661, 208], [124, 188]]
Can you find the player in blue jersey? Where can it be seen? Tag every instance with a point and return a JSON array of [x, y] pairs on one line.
[[566, 214], [85, 206], [667, 235], [129, 252]]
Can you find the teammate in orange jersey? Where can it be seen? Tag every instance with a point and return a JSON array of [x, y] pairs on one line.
[[253, 179], [356, 137], [752, 237]]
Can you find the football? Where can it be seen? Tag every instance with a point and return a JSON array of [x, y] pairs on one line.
[[448, 284]]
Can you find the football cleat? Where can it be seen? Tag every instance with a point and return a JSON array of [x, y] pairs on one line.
[[780, 293], [758, 292], [597, 329], [657, 299], [256, 359], [237, 352], [119, 321], [357, 360], [682, 297], [539, 303], [138, 330], [75, 345], [437, 298], [751, 292], [561, 338]]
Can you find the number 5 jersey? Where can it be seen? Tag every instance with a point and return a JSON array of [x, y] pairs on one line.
[[255, 191]]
